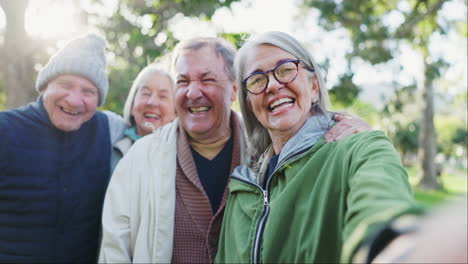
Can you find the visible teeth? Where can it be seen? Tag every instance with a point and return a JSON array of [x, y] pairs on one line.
[[199, 109], [281, 101], [70, 112], [151, 116], [281, 107]]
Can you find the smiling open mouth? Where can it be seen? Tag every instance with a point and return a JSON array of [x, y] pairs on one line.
[[151, 116], [69, 112], [281, 104], [199, 109]]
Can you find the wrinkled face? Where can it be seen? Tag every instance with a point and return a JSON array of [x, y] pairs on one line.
[[281, 108], [70, 101], [204, 94], [153, 103]]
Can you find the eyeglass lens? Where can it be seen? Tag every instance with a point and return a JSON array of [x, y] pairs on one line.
[[283, 73]]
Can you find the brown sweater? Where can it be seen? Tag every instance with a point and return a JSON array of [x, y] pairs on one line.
[[196, 230]]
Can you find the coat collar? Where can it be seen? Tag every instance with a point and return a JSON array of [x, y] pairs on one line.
[[310, 133], [188, 168]]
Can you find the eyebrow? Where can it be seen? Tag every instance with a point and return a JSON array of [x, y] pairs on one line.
[[182, 76], [202, 75]]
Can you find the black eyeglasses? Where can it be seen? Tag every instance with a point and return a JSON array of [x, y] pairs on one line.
[[284, 73]]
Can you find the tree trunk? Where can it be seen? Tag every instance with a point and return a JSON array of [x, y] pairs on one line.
[[427, 135], [17, 56]]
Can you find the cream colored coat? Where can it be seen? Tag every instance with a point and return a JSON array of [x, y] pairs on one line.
[[138, 214]]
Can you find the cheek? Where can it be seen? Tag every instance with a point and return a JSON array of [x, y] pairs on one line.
[[47, 102], [135, 111], [255, 105], [178, 98], [167, 108], [92, 103], [48, 96]]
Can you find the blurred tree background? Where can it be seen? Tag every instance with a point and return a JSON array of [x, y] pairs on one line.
[[425, 117], [378, 42]]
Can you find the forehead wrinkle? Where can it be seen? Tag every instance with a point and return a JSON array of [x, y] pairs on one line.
[[200, 75]]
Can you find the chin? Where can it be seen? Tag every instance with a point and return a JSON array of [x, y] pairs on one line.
[[282, 125], [199, 130]]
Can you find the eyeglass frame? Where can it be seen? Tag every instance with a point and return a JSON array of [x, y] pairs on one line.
[[296, 62]]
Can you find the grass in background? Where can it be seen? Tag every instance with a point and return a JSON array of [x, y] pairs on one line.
[[454, 183]]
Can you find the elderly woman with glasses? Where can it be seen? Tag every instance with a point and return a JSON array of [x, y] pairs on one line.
[[300, 199]]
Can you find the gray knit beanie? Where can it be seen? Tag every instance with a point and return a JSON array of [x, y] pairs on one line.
[[84, 56]]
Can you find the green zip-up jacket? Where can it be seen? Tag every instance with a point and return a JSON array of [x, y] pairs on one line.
[[319, 205]]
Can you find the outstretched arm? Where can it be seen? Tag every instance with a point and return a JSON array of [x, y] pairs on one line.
[[439, 237]]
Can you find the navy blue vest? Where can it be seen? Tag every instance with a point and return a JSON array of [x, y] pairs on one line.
[[52, 186]]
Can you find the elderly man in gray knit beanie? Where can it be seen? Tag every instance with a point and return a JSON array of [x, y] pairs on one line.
[[55, 160], [84, 56]]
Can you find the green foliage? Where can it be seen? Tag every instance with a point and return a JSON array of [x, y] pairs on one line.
[[400, 98], [363, 19], [365, 111], [434, 70], [460, 136], [451, 132], [402, 123], [406, 137], [237, 39], [376, 36], [375, 41], [138, 34], [345, 92]]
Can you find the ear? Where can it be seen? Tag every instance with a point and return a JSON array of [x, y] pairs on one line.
[[43, 88], [234, 92], [315, 86]]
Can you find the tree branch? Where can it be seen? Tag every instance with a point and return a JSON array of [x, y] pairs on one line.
[[408, 26]]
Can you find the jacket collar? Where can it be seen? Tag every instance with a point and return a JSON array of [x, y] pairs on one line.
[[41, 113], [313, 129], [310, 133]]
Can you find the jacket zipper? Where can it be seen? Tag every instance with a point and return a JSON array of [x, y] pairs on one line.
[[266, 207], [261, 227], [261, 223]]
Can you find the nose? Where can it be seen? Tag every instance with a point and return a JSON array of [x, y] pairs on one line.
[[74, 98], [273, 85], [194, 91], [153, 100]]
